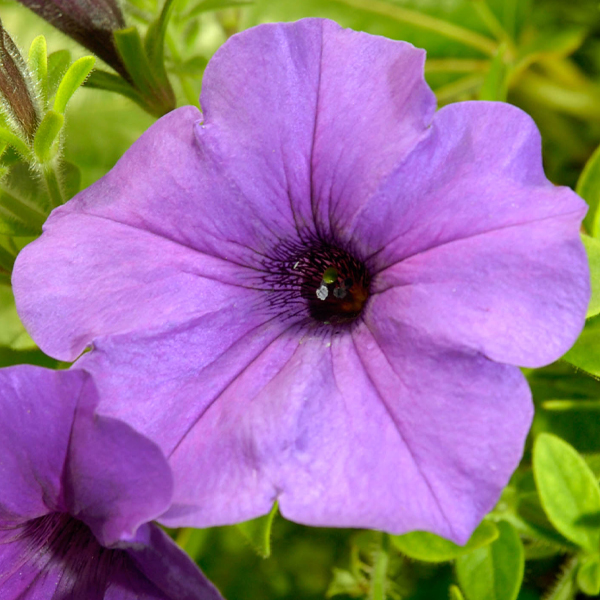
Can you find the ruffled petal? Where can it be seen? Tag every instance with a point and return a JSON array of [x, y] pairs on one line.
[[479, 169], [90, 275], [193, 207], [517, 294], [115, 479], [37, 408], [326, 113]]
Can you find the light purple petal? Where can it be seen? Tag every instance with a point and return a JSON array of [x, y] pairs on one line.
[[178, 213], [115, 479], [347, 436], [518, 294], [479, 169], [36, 415], [340, 434]]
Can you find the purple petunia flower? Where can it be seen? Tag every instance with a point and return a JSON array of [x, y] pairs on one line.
[[77, 493], [318, 291]]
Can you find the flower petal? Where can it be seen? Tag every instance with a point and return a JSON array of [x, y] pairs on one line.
[[327, 112], [517, 294], [89, 276], [37, 408], [169, 568], [115, 479], [479, 169], [57, 556]]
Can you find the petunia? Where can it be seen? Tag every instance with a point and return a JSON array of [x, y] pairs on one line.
[[77, 493], [318, 291]]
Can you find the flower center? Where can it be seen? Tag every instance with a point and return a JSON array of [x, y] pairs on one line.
[[334, 284]]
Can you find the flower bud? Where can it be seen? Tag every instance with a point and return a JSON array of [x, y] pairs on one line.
[[16, 90], [89, 22]]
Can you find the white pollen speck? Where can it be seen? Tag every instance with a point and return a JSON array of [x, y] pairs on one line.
[[322, 292], [296, 265], [328, 345]]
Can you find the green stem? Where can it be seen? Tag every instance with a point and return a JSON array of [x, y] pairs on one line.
[[380, 568], [53, 187], [455, 65], [422, 21], [564, 588]]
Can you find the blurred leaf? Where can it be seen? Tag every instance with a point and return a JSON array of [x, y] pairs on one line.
[[58, 63], [74, 77], [47, 134], [17, 217], [71, 179], [12, 333], [192, 541], [588, 575], [588, 187], [568, 490], [193, 66], [455, 593], [207, 5], [345, 583], [493, 572], [429, 547], [258, 532], [592, 248], [585, 353], [495, 84], [423, 21]]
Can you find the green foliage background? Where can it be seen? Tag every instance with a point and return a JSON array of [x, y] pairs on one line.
[[543, 538]]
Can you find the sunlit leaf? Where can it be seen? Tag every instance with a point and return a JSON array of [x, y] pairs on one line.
[[258, 532], [429, 547], [568, 490], [494, 572]]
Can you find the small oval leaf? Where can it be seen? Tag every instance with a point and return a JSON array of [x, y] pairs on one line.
[[258, 532], [429, 547], [38, 63], [588, 187], [494, 572], [73, 78], [568, 490]]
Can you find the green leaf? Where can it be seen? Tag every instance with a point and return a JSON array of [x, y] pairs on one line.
[[455, 593], [495, 84], [8, 137], [258, 532], [38, 64], [494, 572], [429, 547], [131, 49], [17, 217], [208, 5], [568, 490], [344, 583], [103, 80], [46, 135], [155, 39], [192, 541], [588, 187], [58, 63], [585, 353], [588, 575], [12, 332], [71, 81]]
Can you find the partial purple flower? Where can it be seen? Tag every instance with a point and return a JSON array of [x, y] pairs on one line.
[[77, 496], [318, 291], [89, 22]]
